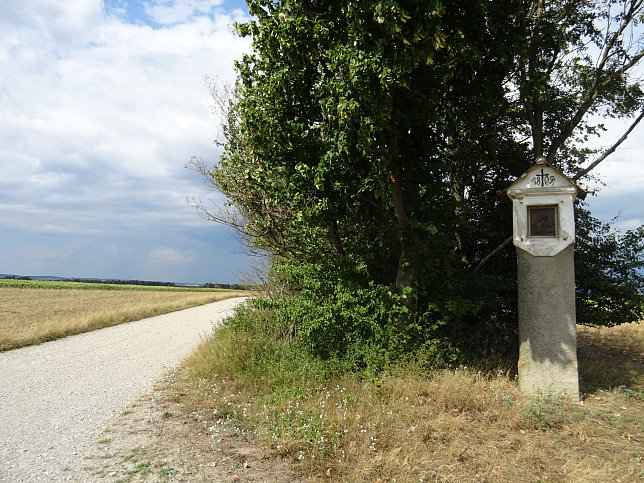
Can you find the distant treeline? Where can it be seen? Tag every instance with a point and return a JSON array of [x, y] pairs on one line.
[[146, 283], [227, 286]]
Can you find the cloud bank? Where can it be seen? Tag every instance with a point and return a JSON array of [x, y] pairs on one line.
[[101, 107], [102, 103]]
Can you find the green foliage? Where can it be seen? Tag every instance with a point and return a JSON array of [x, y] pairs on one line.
[[338, 315], [366, 144], [337, 312], [609, 267], [258, 345]]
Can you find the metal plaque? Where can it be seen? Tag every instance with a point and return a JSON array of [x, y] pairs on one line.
[[543, 221]]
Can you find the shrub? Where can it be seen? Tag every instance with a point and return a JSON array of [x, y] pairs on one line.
[[337, 315]]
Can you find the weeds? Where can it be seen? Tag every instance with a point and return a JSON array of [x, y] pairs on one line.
[[142, 469], [407, 424], [543, 414]]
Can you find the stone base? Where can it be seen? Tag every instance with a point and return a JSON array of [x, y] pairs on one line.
[[547, 324], [547, 379]]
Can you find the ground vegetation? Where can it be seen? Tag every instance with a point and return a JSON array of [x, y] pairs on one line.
[[258, 409]]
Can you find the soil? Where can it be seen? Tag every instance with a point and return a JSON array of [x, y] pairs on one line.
[[158, 439]]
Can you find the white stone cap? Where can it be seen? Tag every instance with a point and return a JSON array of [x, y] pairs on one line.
[[544, 178], [543, 189]]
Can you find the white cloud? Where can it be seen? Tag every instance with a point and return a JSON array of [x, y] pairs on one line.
[[100, 112], [128, 103], [169, 255], [170, 12], [621, 174]]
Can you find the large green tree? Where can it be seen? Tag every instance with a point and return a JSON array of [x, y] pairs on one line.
[[367, 141]]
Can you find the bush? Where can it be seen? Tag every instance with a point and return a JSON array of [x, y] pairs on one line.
[[338, 316], [608, 273]]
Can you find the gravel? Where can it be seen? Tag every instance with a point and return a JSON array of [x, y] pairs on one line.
[[57, 398]]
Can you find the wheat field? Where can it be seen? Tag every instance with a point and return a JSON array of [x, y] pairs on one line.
[[32, 316]]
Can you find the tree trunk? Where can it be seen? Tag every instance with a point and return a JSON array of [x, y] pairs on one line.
[[335, 239], [409, 253], [408, 259]]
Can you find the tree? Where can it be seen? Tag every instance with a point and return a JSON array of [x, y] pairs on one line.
[[366, 143]]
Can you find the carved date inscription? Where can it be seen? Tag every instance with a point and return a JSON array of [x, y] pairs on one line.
[[543, 179]]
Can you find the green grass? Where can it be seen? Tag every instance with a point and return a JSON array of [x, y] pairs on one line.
[[58, 285]]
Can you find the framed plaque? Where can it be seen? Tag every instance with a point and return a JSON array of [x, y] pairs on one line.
[[543, 221]]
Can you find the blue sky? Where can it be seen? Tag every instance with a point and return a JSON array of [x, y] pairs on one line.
[[102, 104], [101, 107]]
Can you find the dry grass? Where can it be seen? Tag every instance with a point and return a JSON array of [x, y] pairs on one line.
[[459, 425], [32, 316], [612, 357]]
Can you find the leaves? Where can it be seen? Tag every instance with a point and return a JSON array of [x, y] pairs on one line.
[[366, 143]]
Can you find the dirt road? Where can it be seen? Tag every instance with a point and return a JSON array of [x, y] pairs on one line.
[[56, 398]]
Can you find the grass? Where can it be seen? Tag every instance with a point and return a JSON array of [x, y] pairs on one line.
[[411, 425], [35, 315], [612, 357]]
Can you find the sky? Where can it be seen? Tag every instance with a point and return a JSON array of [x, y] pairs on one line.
[[102, 105]]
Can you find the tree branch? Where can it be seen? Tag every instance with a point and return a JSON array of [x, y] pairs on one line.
[[492, 254], [610, 150], [581, 173], [600, 80]]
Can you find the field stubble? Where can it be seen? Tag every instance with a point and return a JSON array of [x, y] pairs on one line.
[[34, 315]]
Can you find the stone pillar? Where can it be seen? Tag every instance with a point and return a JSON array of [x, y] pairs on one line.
[[547, 324]]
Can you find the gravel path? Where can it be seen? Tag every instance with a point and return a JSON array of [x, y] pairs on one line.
[[56, 398]]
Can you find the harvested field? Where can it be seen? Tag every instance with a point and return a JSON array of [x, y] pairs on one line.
[[36, 315]]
